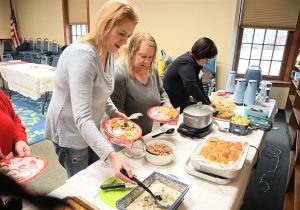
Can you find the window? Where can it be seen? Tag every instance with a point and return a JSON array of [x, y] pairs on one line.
[[77, 31], [264, 48]]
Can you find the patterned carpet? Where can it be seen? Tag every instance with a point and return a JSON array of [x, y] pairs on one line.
[[30, 112]]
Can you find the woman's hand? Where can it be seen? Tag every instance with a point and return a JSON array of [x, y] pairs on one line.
[[168, 104], [22, 148], [117, 114], [118, 163]]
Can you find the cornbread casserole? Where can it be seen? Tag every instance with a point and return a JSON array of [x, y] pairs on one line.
[[220, 151]]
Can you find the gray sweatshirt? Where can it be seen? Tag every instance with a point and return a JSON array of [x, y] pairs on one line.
[[81, 95], [130, 96]]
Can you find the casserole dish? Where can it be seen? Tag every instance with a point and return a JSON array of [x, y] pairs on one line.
[[157, 147], [221, 155], [239, 125], [198, 115], [155, 177]]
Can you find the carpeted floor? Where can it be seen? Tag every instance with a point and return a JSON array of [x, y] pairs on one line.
[[30, 112], [273, 199]]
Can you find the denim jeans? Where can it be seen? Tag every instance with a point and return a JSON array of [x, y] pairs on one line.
[[75, 160]]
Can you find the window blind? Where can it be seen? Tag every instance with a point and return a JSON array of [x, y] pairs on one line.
[[77, 11], [281, 14]]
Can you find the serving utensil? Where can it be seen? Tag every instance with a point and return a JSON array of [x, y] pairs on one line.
[[157, 198], [169, 131], [135, 116]]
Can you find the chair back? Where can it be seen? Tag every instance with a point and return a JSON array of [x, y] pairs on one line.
[[6, 57], [46, 45], [54, 47], [7, 46], [38, 46], [31, 44], [55, 61]]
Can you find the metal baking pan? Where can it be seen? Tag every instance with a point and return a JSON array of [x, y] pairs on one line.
[[169, 181], [228, 171]]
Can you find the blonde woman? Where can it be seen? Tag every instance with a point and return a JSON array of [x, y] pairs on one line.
[[83, 84], [137, 84]]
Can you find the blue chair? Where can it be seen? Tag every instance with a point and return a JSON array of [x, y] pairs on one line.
[[46, 45], [6, 57], [54, 47], [38, 46], [55, 61]]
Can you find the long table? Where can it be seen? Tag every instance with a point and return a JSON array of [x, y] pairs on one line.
[[30, 80], [202, 193]]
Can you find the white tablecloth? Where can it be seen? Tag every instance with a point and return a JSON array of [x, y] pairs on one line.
[[202, 194], [31, 80]]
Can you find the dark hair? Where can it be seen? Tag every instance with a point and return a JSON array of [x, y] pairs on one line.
[[9, 187], [204, 48]]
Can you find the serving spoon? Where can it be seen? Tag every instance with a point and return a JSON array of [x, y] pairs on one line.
[[169, 131], [157, 198]]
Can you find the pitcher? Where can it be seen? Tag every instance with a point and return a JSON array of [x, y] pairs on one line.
[[239, 92]]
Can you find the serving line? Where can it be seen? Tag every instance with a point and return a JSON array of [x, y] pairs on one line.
[[202, 193]]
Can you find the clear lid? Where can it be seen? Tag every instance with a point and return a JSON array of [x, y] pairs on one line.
[[198, 110]]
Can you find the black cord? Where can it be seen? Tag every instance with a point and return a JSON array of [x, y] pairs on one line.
[[255, 165]]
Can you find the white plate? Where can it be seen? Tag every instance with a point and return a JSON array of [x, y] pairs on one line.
[[25, 168]]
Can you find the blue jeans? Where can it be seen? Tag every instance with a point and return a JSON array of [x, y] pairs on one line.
[[75, 160]]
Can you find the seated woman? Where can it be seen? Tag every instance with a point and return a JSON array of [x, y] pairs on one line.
[[12, 142], [184, 76], [138, 86]]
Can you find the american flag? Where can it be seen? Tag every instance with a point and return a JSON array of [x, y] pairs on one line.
[[14, 28]]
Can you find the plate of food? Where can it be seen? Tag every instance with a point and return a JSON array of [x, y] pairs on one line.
[[162, 114], [122, 130], [224, 115], [23, 169]]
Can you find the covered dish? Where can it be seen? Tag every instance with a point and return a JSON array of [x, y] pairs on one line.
[[221, 155], [154, 178]]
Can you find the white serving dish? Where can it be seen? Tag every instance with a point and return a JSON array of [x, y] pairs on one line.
[[229, 170], [160, 160]]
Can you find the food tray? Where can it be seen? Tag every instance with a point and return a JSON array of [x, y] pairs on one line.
[[203, 175], [228, 171], [124, 202]]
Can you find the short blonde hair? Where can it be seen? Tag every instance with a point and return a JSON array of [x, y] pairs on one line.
[[134, 46], [111, 14]]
